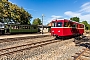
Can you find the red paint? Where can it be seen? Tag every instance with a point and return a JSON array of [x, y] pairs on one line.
[[67, 31]]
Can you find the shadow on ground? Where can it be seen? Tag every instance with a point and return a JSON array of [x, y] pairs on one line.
[[85, 41]]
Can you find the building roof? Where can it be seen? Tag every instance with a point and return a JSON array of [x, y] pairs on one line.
[[45, 26]]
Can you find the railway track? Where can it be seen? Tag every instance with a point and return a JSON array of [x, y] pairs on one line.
[[21, 38], [12, 50], [84, 55]]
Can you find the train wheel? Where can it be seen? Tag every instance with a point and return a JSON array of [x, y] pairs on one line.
[[3, 32], [62, 38], [56, 37]]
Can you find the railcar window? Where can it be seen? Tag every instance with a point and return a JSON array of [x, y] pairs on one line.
[[34, 27], [0, 25], [20, 27], [81, 26], [23, 27], [74, 25], [28, 27], [59, 24], [16, 27], [12, 27], [65, 24]]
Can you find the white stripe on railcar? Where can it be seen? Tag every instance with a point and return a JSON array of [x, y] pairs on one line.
[[67, 27]]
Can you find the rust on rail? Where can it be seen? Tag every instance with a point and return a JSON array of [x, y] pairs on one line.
[[25, 45], [44, 43], [81, 54]]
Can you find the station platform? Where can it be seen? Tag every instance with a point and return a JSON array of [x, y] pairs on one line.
[[22, 35]]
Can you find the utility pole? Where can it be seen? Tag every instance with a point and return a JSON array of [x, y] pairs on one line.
[[42, 23]]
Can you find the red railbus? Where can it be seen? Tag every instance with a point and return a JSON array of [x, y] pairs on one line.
[[66, 28]]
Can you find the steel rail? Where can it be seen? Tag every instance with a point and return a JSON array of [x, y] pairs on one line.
[[42, 43], [21, 38], [81, 54]]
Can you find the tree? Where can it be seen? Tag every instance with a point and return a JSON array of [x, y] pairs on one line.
[[37, 21], [10, 12], [86, 24], [75, 19], [89, 26]]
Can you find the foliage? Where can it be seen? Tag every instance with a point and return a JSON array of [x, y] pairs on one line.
[[86, 24], [12, 13], [37, 21], [75, 19]]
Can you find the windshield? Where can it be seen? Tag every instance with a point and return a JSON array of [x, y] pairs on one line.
[[59, 24]]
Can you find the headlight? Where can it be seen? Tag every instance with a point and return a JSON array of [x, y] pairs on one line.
[[59, 31], [52, 31]]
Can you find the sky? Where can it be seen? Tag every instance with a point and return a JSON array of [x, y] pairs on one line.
[[53, 9]]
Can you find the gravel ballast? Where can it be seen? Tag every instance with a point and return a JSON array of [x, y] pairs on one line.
[[64, 50]]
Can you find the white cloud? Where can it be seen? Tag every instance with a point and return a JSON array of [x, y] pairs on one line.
[[72, 14], [85, 4], [85, 17], [85, 7], [82, 13], [55, 17]]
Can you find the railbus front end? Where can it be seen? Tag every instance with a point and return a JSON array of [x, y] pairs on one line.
[[57, 28]]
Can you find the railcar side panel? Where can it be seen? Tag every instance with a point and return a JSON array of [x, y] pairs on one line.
[[81, 30], [21, 28], [64, 31], [67, 31]]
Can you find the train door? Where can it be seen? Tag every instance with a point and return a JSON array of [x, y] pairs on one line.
[[67, 28], [74, 28]]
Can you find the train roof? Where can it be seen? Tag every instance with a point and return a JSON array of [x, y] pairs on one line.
[[68, 20], [21, 25]]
